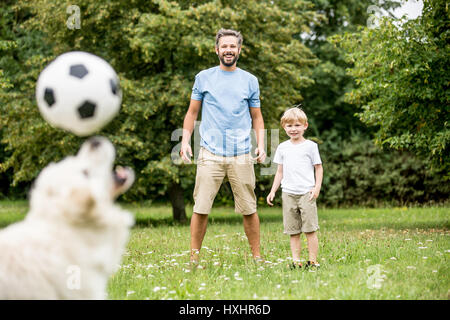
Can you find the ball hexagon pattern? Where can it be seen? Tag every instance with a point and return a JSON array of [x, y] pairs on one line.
[[78, 92]]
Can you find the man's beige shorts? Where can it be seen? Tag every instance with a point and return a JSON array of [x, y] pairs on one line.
[[299, 213], [212, 169]]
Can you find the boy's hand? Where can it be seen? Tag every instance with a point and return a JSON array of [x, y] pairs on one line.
[[314, 193], [270, 198]]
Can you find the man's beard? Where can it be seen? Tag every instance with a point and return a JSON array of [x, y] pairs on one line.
[[228, 64]]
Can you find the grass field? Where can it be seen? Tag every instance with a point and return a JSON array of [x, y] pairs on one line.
[[392, 253]]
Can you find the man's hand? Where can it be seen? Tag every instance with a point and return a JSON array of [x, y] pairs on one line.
[[261, 155], [186, 153]]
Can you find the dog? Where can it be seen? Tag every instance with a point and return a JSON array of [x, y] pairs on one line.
[[73, 237]]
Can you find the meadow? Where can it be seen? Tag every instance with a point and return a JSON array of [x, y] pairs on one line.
[[382, 254]]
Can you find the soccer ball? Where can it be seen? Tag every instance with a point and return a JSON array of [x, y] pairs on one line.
[[78, 92]]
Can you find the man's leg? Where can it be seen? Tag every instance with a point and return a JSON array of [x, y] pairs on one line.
[[198, 230], [251, 228], [209, 177]]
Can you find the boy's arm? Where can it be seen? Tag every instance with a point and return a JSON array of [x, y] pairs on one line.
[[275, 185], [314, 193]]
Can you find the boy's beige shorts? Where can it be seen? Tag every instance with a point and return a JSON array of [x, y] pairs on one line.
[[211, 170], [299, 213]]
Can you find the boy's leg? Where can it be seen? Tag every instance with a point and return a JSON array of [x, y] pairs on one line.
[[295, 247], [198, 230], [313, 245], [251, 228]]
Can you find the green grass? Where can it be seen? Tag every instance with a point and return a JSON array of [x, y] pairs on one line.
[[407, 249]]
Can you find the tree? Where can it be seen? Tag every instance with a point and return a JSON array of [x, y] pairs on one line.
[[402, 76], [330, 115], [156, 47]]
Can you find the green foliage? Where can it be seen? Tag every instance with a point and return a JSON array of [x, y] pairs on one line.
[[402, 76], [328, 112], [157, 47], [358, 171]]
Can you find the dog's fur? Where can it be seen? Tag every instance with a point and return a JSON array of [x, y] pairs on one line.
[[73, 236]]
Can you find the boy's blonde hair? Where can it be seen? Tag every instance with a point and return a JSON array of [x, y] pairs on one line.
[[293, 115]]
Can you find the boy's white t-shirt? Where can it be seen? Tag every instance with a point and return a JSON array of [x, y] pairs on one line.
[[298, 162]]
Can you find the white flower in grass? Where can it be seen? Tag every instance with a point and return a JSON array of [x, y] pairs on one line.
[[156, 289], [393, 258], [411, 267], [130, 292]]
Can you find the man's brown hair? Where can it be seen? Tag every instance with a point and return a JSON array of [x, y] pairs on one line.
[[229, 32]]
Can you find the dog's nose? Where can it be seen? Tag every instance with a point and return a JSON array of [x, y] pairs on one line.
[[94, 142]]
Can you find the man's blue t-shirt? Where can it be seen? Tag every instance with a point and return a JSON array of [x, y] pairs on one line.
[[226, 98]]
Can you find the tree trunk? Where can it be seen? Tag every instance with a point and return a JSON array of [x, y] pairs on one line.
[[177, 200]]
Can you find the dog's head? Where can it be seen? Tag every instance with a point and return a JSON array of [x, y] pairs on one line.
[[80, 188]]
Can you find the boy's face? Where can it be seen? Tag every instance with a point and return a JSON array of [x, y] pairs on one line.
[[296, 129], [228, 50]]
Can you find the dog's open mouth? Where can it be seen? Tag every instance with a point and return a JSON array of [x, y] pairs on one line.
[[123, 179], [120, 176]]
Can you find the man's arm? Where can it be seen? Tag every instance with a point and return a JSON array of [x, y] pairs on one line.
[[258, 126], [188, 128]]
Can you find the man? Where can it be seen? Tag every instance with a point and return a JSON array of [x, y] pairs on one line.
[[229, 99]]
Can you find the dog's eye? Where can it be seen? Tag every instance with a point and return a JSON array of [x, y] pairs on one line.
[[86, 173]]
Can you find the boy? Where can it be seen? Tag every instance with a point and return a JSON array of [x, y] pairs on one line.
[[298, 159]]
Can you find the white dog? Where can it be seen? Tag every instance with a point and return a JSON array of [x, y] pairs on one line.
[[73, 237]]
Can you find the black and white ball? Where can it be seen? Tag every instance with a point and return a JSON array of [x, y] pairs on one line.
[[78, 92]]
